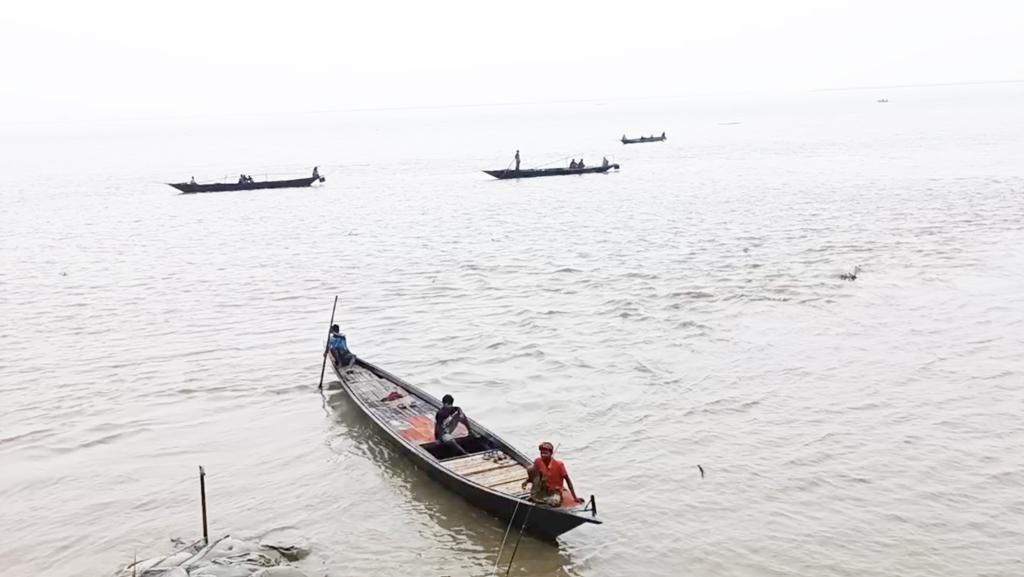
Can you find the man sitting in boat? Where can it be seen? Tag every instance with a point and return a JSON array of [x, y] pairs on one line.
[[604, 162], [446, 421], [316, 172], [580, 164], [572, 163], [193, 181], [547, 476], [338, 345]]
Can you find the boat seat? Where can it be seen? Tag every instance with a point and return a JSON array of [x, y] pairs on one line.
[[486, 467], [513, 487], [459, 463], [432, 444]]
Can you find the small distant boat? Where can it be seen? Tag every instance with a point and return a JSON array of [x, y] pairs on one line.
[[651, 138], [247, 184], [535, 172], [882, 100]]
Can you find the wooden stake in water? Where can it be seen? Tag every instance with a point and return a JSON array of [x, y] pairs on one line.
[[202, 496]]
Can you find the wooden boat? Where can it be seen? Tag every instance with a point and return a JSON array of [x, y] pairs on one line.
[[490, 476], [644, 139], [191, 187], [535, 172]]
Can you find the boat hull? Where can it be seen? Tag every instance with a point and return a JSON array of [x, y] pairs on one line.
[[540, 521], [641, 140], [189, 188], [512, 173]]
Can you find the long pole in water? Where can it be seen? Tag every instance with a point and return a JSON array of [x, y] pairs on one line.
[[202, 495], [323, 366], [520, 538]]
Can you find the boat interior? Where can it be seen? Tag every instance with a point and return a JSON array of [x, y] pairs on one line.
[[481, 460]]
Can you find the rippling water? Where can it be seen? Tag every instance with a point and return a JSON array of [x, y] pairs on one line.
[[684, 311]]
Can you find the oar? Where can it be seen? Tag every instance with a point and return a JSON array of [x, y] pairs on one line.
[[323, 366]]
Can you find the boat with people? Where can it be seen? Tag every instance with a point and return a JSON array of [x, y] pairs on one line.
[[471, 461], [535, 172], [651, 138], [573, 168], [246, 182]]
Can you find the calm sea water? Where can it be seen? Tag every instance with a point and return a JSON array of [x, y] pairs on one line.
[[686, 311]]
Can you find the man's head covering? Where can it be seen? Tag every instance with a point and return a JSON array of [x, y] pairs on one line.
[[546, 446], [447, 400]]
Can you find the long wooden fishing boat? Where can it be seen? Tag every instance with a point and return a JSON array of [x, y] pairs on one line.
[[644, 139], [490, 476], [192, 187], [535, 172]]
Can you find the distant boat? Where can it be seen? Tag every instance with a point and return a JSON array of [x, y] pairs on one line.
[[644, 139], [532, 173], [194, 187], [882, 100]]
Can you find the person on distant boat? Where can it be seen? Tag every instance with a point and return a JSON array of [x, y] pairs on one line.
[[517, 161], [446, 421], [193, 181], [624, 137], [572, 163], [604, 162], [241, 179], [316, 172], [547, 476], [663, 134], [338, 345], [580, 164]]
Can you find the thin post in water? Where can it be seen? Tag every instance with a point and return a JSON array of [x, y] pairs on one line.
[[202, 496]]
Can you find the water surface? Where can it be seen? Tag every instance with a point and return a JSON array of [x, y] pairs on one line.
[[684, 311]]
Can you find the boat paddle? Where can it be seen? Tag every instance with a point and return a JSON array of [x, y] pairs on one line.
[[323, 366]]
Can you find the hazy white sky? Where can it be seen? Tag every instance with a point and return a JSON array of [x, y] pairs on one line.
[[103, 58]]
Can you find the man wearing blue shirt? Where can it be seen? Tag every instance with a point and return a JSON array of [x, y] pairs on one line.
[[339, 346]]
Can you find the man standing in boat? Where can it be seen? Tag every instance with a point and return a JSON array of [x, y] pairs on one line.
[[547, 476], [446, 421], [338, 345], [517, 161]]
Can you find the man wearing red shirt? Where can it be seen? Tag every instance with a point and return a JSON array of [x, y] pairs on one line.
[[547, 476]]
